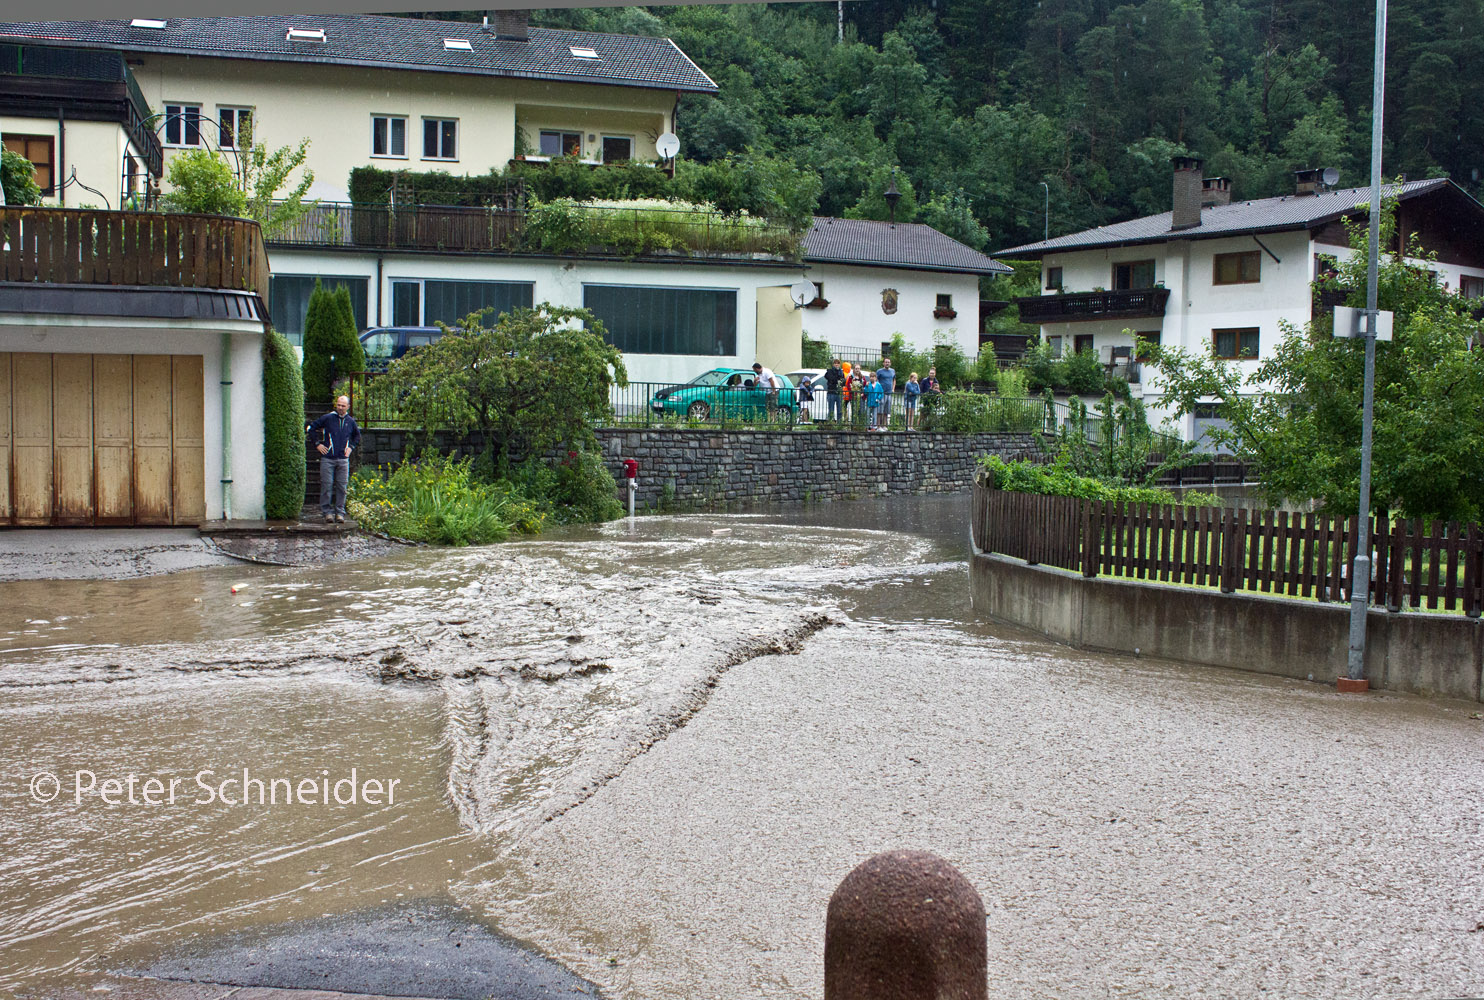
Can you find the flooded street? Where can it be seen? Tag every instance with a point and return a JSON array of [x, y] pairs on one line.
[[653, 751]]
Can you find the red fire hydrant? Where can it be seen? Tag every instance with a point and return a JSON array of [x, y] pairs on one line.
[[631, 476]]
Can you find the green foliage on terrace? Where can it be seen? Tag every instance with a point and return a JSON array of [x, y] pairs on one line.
[[1059, 480], [641, 227], [745, 184], [956, 412]]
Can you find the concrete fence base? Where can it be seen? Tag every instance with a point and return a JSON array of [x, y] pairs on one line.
[[1414, 652]]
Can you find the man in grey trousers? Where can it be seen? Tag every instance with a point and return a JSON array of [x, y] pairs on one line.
[[334, 435]]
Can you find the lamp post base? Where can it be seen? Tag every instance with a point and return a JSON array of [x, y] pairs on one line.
[[1345, 685]]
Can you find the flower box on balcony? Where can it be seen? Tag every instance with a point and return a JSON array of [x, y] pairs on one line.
[[944, 314]]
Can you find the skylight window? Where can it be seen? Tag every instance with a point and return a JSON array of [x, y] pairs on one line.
[[305, 35], [147, 22], [458, 43], [581, 52]]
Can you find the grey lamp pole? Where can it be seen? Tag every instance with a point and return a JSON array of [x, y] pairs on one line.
[[1360, 571], [1046, 235]]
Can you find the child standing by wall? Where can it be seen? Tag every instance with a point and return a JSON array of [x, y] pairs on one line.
[[910, 392]]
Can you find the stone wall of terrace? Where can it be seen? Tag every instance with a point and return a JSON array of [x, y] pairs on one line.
[[707, 469]]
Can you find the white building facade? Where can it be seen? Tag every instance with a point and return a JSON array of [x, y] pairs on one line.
[[1226, 278]]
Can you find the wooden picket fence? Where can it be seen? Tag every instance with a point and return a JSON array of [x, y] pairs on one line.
[[1439, 565], [92, 247]]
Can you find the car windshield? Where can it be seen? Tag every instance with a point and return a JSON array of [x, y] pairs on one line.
[[709, 378]]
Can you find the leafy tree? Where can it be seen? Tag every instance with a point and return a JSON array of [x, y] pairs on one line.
[[533, 384], [18, 179], [203, 183], [332, 348], [1299, 412], [264, 176], [1120, 448]]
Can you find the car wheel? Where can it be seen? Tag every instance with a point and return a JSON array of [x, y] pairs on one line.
[[698, 411], [786, 415]]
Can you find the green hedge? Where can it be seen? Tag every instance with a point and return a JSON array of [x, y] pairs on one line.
[[1060, 481], [283, 428]]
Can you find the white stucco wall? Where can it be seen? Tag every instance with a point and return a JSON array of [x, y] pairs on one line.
[[83, 335], [95, 149], [854, 317], [333, 106], [560, 283]]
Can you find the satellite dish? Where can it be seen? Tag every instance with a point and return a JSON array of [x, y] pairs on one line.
[[667, 145], [1331, 176], [803, 292]]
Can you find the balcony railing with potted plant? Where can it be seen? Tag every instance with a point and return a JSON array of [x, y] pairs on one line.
[[1071, 307], [559, 227]]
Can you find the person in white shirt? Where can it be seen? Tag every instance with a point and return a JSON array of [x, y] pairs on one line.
[[768, 382]]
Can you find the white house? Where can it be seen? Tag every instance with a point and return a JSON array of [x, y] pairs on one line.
[[366, 89], [1222, 275], [877, 279]]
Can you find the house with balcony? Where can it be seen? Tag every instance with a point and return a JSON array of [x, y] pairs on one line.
[[468, 98], [131, 381], [81, 119], [876, 279], [1222, 275]]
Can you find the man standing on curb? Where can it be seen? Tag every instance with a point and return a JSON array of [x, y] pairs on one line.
[[886, 377], [334, 435]]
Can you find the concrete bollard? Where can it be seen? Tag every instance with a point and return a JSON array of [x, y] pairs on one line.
[[905, 925]]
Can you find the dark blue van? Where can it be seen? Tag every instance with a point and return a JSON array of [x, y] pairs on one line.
[[385, 344]]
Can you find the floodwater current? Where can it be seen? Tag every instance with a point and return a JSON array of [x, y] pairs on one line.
[[652, 750]]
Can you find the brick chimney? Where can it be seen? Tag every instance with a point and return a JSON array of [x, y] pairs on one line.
[[1186, 209], [1216, 191], [510, 24]]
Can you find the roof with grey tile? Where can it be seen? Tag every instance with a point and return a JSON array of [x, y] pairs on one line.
[[882, 244], [1239, 218], [390, 43]]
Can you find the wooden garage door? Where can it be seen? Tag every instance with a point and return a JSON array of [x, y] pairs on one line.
[[108, 439]]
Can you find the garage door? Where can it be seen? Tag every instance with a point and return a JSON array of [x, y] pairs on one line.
[[107, 439]]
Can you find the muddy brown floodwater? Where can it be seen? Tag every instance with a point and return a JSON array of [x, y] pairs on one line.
[[654, 750]]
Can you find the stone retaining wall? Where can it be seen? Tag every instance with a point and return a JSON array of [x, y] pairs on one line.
[[716, 469]]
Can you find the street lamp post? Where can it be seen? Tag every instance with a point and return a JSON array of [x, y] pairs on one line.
[[1360, 571]]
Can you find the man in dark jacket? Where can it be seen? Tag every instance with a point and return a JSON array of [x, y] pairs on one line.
[[834, 386], [334, 435]]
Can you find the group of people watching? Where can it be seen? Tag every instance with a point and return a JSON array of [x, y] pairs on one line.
[[856, 395]]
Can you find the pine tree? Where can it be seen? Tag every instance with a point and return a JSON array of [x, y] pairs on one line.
[[329, 333]]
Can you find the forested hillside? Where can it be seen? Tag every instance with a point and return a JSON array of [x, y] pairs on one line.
[[978, 102]]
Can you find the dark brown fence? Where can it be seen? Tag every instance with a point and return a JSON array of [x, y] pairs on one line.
[[1415, 564], [91, 247]]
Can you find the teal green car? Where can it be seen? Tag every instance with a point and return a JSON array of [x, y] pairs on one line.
[[725, 394]]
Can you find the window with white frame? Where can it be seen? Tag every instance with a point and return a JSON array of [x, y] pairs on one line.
[[182, 124], [389, 136], [617, 148], [440, 138], [559, 143], [234, 127]]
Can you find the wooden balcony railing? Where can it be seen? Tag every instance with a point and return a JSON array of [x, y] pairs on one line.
[[90, 247], [1071, 307]]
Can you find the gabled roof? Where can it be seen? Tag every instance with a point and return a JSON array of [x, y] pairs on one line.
[[882, 244], [1264, 215], [390, 43]]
